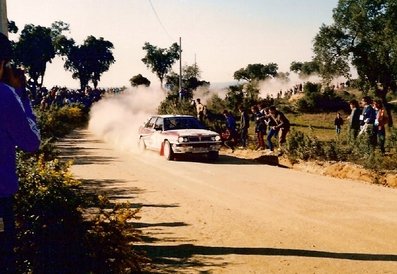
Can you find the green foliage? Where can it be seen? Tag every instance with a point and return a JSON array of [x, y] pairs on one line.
[[190, 81], [305, 69], [317, 101], [56, 233], [12, 27], [139, 80], [47, 217], [301, 146], [57, 122], [88, 61], [62, 228], [172, 105], [160, 60], [256, 72], [110, 239], [216, 104], [34, 50], [363, 33]]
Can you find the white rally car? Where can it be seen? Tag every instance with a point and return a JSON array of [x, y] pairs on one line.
[[178, 134]]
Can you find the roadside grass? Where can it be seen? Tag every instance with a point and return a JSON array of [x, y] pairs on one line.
[[321, 125]]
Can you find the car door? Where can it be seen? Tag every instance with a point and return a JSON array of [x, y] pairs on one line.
[[148, 131], [158, 136]]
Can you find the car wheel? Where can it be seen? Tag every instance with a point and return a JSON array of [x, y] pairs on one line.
[[168, 153], [141, 144], [213, 155]]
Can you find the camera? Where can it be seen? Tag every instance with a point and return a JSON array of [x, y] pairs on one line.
[[13, 76]]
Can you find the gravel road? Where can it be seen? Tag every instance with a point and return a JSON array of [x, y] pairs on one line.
[[238, 216]]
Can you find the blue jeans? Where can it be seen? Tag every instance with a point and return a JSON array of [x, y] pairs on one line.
[[270, 134], [7, 237]]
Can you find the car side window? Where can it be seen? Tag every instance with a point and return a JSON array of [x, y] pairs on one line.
[[150, 123], [159, 124]]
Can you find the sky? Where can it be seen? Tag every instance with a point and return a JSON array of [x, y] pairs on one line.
[[222, 36]]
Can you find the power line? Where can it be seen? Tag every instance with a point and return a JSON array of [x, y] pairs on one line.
[[158, 19]]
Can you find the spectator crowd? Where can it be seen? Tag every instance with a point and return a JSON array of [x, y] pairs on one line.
[[61, 96]]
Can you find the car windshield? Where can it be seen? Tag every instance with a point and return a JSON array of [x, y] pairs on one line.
[[182, 123]]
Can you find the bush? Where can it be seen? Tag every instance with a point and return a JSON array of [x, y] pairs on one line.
[[172, 105], [53, 235], [55, 232], [49, 224], [302, 146], [57, 122], [316, 101]]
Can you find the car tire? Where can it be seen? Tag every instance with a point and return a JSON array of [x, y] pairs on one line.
[[141, 145], [213, 155], [168, 153]]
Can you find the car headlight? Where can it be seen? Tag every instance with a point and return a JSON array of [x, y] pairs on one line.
[[182, 139], [216, 138]]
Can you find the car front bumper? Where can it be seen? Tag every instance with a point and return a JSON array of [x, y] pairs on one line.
[[195, 147]]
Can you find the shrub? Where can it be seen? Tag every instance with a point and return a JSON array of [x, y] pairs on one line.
[[316, 101], [49, 224], [301, 146], [57, 122], [172, 105], [53, 235]]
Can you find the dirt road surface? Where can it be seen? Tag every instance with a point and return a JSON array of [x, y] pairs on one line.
[[238, 216]]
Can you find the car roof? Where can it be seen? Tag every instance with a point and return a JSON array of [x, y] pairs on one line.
[[171, 116]]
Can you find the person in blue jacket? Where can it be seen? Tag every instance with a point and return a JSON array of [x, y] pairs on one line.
[[231, 128], [367, 120], [17, 130]]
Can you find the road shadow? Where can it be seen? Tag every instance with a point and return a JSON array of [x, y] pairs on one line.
[[73, 148], [111, 188], [227, 159], [171, 257]]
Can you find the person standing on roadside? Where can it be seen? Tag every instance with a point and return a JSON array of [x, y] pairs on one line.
[[260, 127], [200, 110], [271, 123], [367, 120], [379, 124], [354, 119], [282, 125], [231, 128], [17, 129], [338, 123], [244, 125]]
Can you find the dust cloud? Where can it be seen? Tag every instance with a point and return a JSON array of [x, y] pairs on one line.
[[272, 86], [117, 118]]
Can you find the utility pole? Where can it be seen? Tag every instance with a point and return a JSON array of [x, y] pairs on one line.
[[3, 17], [180, 69]]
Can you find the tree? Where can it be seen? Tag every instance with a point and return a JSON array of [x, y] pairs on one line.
[[160, 60], [88, 61], [190, 80], [36, 47], [12, 27], [304, 69], [139, 80], [331, 54], [33, 50], [364, 33], [256, 72]]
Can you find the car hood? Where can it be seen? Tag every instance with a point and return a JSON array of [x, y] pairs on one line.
[[192, 132]]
